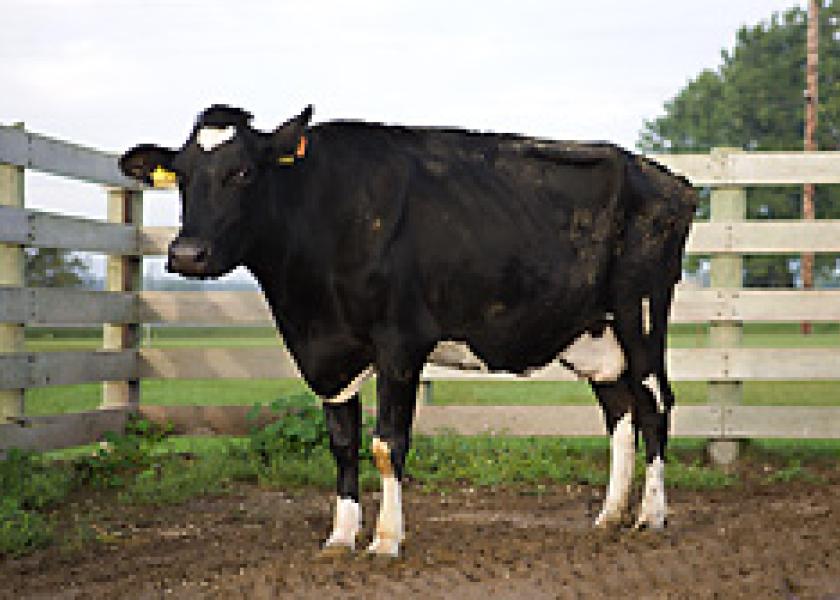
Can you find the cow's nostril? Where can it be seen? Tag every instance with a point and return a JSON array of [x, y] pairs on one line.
[[188, 256]]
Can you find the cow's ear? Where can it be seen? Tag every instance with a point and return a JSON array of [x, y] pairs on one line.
[[150, 164], [288, 141]]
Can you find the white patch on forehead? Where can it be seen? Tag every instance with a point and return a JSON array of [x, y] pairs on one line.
[[211, 137], [352, 388], [596, 358], [651, 382]]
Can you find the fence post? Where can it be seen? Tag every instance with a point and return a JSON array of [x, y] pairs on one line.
[[728, 204], [11, 274], [124, 275], [425, 393]]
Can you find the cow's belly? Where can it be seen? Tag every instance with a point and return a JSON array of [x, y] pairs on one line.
[[597, 358]]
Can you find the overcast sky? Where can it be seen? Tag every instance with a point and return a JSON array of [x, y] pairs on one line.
[[113, 73]]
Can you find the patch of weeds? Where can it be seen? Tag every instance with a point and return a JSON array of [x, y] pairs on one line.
[[695, 475], [172, 480], [300, 429], [794, 471], [21, 531], [32, 482], [294, 450], [119, 457]]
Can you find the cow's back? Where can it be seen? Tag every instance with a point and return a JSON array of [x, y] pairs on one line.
[[502, 241]]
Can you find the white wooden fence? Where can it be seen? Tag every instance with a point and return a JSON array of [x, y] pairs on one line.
[[122, 363]]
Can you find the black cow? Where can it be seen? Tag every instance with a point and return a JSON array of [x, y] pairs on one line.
[[373, 243]]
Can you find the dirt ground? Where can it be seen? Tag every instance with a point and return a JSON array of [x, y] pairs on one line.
[[756, 541]]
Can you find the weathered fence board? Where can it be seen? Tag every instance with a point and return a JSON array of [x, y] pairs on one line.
[[14, 225], [755, 168], [36, 369], [687, 421], [61, 431], [45, 230], [208, 420], [751, 237], [782, 364], [35, 151], [231, 308], [211, 363], [155, 240], [764, 237], [795, 422], [696, 364], [62, 306], [691, 305]]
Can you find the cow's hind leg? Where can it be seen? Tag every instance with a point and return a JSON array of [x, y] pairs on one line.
[[641, 328], [344, 422], [653, 423], [616, 399]]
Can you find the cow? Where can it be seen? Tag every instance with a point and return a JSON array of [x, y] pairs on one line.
[[374, 243]]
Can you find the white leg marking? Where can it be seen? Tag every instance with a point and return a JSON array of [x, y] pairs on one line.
[[346, 523], [352, 388], [389, 526], [653, 511], [598, 358], [651, 382], [622, 457], [646, 315], [211, 137]]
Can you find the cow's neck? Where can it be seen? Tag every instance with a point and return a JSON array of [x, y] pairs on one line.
[[289, 267]]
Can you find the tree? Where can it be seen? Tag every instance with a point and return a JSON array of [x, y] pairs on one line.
[[754, 100], [49, 267]]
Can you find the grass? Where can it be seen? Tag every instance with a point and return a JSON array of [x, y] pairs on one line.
[[145, 467]]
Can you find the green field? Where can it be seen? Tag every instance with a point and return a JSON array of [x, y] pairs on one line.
[[60, 399]]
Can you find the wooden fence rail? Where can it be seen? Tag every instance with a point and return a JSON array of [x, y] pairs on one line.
[[121, 364]]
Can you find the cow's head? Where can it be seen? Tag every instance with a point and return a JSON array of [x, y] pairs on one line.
[[220, 172]]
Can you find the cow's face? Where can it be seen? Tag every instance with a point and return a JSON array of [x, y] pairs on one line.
[[220, 172]]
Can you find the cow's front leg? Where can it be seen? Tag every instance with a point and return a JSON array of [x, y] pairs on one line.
[[344, 420], [396, 400]]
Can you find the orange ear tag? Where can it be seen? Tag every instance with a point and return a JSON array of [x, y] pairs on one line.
[[300, 151]]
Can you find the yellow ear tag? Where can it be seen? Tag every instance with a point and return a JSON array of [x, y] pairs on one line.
[[289, 159], [161, 178]]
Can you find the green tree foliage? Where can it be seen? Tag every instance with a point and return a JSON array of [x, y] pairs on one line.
[[755, 100], [49, 267]]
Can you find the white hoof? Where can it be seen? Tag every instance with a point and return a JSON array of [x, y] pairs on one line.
[[653, 522], [608, 519], [385, 545], [333, 549]]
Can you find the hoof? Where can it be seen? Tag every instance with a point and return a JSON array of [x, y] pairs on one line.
[[655, 523], [608, 520], [385, 547], [332, 551]]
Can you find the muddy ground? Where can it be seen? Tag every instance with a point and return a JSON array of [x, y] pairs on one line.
[[754, 541]]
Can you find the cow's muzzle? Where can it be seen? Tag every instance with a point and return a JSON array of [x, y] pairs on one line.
[[188, 256]]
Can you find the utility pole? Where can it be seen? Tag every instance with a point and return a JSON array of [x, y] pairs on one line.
[[811, 99]]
